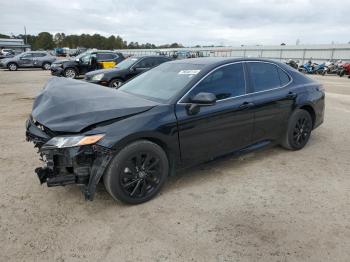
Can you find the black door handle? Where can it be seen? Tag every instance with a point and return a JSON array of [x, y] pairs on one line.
[[291, 95], [245, 105]]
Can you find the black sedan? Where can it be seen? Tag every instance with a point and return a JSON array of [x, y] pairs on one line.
[[176, 115], [124, 71]]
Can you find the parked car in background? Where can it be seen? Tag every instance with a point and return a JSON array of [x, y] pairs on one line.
[[124, 71], [7, 55], [38, 59], [7, 52], [86, 62], [176, 115]]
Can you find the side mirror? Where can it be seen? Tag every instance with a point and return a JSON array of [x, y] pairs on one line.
[[204, 99], [201, 99]]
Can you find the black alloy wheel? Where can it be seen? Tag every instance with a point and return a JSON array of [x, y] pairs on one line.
[[116, 83], [301, 131], [137, 173], [298, 130], [141, 174]]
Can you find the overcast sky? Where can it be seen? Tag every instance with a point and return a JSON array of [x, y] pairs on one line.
[[190, 22]]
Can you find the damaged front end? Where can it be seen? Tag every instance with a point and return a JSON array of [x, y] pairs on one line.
[[69, 159]]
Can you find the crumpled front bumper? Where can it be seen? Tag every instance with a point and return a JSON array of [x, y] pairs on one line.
[[81, 165], [56, 71]]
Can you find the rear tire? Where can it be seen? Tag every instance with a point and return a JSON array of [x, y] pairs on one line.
[[12, 66], [70, 73], [298, 130], [137, 173], [46, 66]]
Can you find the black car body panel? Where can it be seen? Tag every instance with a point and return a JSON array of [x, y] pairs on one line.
[[234, 124], [86, 105]]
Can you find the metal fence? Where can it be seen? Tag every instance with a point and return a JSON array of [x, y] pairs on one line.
[[316, 53]]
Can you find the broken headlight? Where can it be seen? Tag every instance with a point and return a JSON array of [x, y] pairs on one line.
[[71, 141]]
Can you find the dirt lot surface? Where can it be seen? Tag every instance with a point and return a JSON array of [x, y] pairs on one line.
[[271, 205]]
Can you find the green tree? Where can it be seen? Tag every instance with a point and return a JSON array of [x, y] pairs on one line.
[[44, 40]]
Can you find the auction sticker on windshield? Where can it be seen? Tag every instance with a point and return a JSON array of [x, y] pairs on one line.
[[189, 72]]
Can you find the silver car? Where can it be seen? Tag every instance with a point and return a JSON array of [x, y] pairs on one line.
[[39, 59]]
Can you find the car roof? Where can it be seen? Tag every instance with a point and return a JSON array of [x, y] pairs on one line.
[[212, 62]]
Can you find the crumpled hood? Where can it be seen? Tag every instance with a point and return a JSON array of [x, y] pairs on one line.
[[67, 105]]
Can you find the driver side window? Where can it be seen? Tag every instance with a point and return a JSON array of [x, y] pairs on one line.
[[225, 82], [26, 56], [85, 59], [144, 63]]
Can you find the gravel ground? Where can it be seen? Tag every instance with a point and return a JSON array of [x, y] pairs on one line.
[[271, 205]]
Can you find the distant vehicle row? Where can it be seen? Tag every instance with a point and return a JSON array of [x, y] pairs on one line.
[[38, 59], [86, 62]]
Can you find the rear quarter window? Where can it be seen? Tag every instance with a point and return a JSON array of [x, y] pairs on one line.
[[284, 78]]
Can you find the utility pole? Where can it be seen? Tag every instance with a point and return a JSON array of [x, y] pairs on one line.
[[25, 35]]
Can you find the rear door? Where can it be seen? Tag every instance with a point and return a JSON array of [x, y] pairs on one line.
[[272, 99], [221, 128], [106, 60], [38, 59]]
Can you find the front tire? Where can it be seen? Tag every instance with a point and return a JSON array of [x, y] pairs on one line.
[[298, 130], [12, 66], [137, 173], [70, 73], [116, 83]]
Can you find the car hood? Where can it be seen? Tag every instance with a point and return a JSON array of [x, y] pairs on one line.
[[67, 105], [105, 71]]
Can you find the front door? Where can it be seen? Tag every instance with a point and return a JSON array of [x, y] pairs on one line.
[[220, 128], [26, 60]]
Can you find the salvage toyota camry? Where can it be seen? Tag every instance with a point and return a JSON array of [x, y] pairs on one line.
[[176, 115]]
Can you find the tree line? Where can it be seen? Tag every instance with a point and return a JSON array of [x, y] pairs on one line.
[[47, 41]]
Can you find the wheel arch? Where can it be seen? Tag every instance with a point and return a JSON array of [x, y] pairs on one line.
[[116, 77], [12, 62], [311, 111], [170, 152]]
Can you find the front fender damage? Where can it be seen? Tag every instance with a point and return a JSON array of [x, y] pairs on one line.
[[83, 166]]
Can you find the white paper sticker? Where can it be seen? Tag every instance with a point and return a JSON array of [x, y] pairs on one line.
[[189, 72]]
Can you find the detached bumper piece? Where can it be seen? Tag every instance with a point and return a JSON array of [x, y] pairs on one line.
[[83, 166]]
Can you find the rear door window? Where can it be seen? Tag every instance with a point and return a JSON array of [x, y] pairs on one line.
[[106, 57], [264, 76]]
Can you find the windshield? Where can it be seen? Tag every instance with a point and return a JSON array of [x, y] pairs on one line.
[[163, 82], [127, 63]]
